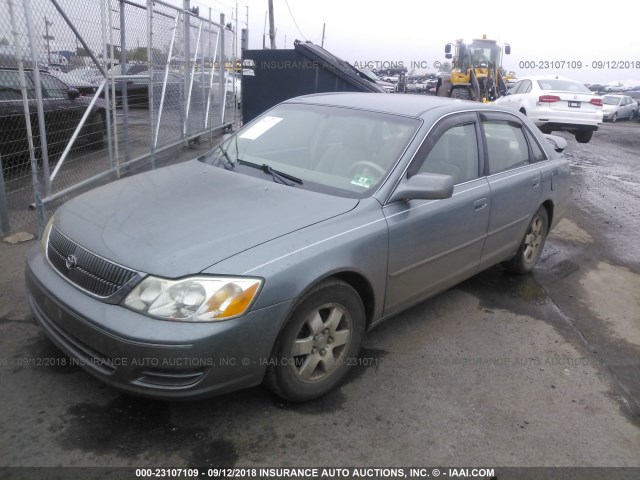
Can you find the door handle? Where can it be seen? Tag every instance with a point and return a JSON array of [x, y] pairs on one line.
[[535, 182], [553, 174], [479, 204]]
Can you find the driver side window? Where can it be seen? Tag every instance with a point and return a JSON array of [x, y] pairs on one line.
[[455, 153]]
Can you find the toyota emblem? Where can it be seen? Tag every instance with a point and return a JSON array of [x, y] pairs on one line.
[[71, 262]]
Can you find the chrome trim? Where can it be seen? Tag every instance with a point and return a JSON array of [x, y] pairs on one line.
[[114, 298]]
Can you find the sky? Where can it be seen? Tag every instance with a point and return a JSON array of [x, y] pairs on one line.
[[417, 30]]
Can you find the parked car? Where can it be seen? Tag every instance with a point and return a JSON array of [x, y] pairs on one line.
[[372, 77], [175, 90], [76, 79], [267, 259], [556, 104], [618, 106], [63, 108]]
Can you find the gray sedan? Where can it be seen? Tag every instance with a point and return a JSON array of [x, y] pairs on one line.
[[268, 258], [618, 106]]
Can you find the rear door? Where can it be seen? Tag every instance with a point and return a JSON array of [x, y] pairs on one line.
[[515, 182], [434, 244]]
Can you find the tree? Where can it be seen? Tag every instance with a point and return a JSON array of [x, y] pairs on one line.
[[116, 52], [82, 52], [139, 54]]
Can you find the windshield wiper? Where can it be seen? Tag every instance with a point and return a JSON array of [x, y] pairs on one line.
[[279, 177], [226, 161]]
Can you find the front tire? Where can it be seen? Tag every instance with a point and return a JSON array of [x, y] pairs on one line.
[[614, 118], [531, 246], [312, 353], [460, 94]]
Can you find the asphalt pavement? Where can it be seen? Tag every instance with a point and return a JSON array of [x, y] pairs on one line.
[[539, 370]]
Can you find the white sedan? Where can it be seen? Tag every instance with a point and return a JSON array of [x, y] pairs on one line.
[[556, 104]]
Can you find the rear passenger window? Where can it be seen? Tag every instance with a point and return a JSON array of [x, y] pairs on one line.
[[455, 153], [506, 145], [538, 153]]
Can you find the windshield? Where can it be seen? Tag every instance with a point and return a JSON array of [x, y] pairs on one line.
[[610, 100], [563, 85], [483, 53], [334, 150]]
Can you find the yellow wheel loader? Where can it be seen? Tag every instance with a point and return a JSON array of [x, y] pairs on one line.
[[476, 72]]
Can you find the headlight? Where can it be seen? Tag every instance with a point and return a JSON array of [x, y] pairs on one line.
[[195, 299]]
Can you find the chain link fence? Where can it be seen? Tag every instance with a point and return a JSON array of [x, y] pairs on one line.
[[89, 89]]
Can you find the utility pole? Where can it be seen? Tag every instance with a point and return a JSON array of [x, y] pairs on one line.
[[48, 38], [272, 28], [323, 27], [264, 32]]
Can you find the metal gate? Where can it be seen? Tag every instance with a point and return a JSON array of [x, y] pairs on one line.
[[87, 89]]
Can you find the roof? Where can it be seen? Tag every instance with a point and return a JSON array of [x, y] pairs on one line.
[[398, 104]]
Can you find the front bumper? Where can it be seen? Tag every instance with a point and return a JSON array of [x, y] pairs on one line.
[[146, 356]]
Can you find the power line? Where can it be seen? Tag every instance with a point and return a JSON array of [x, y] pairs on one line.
[[294, 20]]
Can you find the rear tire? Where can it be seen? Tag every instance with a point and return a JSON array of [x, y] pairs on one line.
[[584, 136], [97, 137], [531, 245], [312, 353]]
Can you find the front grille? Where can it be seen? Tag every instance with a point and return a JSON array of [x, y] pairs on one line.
[[85, 269]]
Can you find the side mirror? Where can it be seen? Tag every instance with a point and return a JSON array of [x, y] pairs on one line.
[[73, 93], [424, 186], [447, 48], [448, 56], [507, 49]]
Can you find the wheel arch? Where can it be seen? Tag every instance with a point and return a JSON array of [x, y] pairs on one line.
[[354, 279], [364, 289], [548, 206]]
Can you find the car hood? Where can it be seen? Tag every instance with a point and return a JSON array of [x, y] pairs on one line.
[[181, 219]]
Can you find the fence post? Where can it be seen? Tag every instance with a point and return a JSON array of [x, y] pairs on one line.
[[5, 227], [213, 69], [223, 82], [44, 148], [110, 60], [186, 130], [151, 65], [123, 71], [27, 118], [107, 92]]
